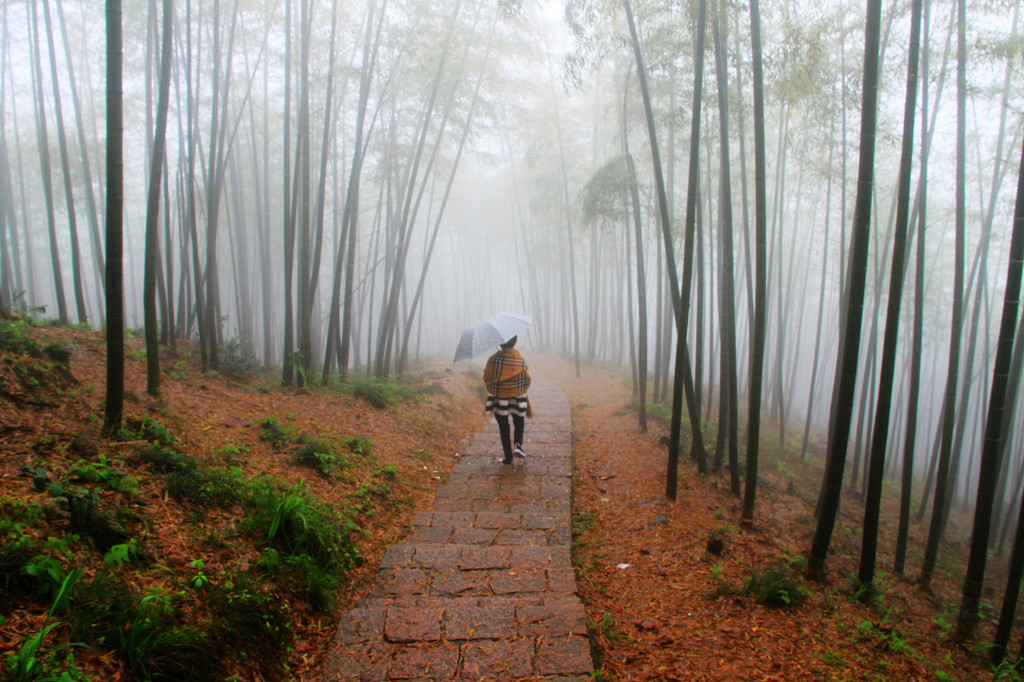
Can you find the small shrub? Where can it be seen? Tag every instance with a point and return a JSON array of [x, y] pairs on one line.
[[717, 538], [778, 586], [86, 517], [148, 429], [275, 433], [832, 659], [179, 371], [357, 446], [232, 453], [318, 456], [311, 545], [380, 393], [582, 521], [13, 338], [252, 623], [314, 583], [721, 586], [186, 479], [380, 490], [32, 662], [84, 445], [431, 389], [235, 361], [46, 572], [611, 630], [660, 411], [119, 555], [149, 634], [17, 550], [100, 471]]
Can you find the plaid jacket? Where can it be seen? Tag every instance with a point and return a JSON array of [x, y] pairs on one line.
[[506, 375]]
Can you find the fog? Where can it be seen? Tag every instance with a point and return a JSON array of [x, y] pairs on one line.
[[484, 123]]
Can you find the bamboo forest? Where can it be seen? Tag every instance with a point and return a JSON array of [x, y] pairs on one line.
[[771, 255]]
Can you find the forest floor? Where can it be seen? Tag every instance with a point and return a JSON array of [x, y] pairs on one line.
[[665, 583], [671, 588]]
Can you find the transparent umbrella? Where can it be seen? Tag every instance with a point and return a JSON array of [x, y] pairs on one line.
[[490, 332]]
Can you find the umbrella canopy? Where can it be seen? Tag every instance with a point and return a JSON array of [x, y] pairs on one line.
[[490, 332]]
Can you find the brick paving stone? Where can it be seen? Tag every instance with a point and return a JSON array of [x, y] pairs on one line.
[[497, 660], [555, 490], [552, 618], [357, 663], [433, 556], [561, 581], [398, 556], [435, 535], [539, 521], [476, 558], [361, 625], [452, 518], [518, 581], [439, 662], [412, 624], [483, 587], [449, 503], [454, 583], [539, 505], [548, 556], [520, 536], [402, 581], [564, 656], [489, 621], [498, 520], [474, 536], [562, 535]]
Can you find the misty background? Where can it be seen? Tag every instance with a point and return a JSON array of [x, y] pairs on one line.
[[491, 149]]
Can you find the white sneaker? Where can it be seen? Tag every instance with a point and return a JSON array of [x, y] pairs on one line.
[[518, 451]]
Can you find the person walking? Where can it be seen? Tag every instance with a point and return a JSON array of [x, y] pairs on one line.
[[507, 379]]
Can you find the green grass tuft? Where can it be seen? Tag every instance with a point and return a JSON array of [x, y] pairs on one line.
[[778, 586]]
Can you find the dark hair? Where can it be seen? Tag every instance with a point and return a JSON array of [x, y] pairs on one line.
[[510, 343]]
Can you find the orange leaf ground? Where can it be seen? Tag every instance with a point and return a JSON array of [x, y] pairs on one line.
[[663, 581]]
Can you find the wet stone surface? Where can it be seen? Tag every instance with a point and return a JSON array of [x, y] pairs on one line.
[[483, 587]]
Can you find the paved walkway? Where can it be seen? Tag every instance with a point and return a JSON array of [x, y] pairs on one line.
[[483, 588]]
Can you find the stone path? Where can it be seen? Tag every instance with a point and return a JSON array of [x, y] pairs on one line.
[[483, 588]]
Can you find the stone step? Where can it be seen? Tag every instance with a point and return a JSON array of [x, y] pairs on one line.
[[483, 586]]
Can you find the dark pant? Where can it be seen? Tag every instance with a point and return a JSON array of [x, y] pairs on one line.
[[506, 438]]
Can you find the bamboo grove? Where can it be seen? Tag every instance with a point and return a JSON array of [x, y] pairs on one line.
[[797, 223]]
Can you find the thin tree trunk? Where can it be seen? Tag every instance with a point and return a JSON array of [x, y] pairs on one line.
[[302, 180], [847, 367], [92, 209], [967, 619], [114, 404], [570, 239], [69, 195], [641, 288], [940, 506], [288, 361], [727, 314], [821, 305], [153, 207], [910, 436], [44, 160], [350, 214], [880, 434], [760, 248], [683, 376]]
